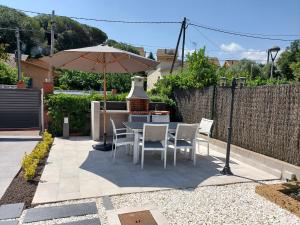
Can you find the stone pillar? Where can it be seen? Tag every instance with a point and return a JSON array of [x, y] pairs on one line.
[[95, 120]]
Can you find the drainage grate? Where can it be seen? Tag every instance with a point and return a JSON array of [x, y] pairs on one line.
[[137, 218]]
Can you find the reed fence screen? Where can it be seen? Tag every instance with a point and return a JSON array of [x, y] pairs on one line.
[[266, 119]]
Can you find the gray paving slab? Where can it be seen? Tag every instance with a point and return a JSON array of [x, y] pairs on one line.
[[88, 173], [11, 211], [11, 154], [9, 222], [56, 212], [107, 203], [84, 222]]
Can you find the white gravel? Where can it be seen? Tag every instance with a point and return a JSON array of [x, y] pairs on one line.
[[230, 204]]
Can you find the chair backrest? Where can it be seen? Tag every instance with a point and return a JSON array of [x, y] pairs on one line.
[[155, 132], [139, 118], [205, 126], [160, 118], [186, 131], [113, 126]]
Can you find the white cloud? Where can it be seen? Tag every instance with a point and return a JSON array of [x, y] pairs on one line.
[[231, 47], [255, 55]]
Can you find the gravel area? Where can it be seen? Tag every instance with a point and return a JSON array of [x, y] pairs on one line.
[[229, 204]]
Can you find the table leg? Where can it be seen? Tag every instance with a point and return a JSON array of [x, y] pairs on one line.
[[136, 147]]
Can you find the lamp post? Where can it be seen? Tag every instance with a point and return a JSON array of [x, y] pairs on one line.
[[275, 49], [235, 82]]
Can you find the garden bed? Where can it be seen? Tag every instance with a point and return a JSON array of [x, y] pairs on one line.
[[284, 195], [21, 190]]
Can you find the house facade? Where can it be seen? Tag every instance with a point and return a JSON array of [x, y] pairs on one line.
[[165, 57]]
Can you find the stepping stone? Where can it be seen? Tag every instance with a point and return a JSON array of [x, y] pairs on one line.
[[11, 211], [107, 203], [84, 222], [9, 222], [56, 212]]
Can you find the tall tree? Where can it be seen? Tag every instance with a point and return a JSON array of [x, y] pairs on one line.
[[151, 56], [287, 62]]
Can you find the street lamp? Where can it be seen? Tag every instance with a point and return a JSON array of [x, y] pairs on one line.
[[274, 50], [235, 82]]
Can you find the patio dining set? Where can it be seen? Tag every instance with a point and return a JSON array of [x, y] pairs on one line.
[[159, 135]]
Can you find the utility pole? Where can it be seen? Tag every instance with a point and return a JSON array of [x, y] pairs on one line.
[[183, 42], [18, 55], [50, 74], [52, 34], [177, 45]]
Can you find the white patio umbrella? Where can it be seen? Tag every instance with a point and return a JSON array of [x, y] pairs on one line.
[[101, 59]]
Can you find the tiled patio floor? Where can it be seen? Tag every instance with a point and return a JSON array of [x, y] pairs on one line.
[[75, 171]]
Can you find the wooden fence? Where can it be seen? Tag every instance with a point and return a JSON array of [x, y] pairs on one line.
[[266, 119]]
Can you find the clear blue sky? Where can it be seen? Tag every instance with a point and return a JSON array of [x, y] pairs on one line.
[[252, 16]]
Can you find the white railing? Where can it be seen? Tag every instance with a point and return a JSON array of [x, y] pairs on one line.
[[6, 86], [78, 92]]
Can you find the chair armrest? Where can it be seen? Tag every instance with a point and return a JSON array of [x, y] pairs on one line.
[[120, 129], [119, 134]]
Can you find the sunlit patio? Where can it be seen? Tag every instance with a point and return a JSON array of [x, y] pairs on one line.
[[74, 171]]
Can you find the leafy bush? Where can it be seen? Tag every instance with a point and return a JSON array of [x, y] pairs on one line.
[[30, 161], [8, 75], [77, 108], [200, 72]]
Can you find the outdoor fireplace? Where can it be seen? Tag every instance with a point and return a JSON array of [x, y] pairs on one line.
[[137, 99]]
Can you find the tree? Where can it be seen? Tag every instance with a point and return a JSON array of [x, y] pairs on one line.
[[3, 53], [8, 75], [122, 46], [287, 62], [151, 56], [35, 32]]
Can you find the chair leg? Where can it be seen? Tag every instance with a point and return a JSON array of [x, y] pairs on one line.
[[175, 151], [207, 148], [142, 159], [165, 158], [115, 151], [112, 150]]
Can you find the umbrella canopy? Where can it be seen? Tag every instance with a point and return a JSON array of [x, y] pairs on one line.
[[101, 59]]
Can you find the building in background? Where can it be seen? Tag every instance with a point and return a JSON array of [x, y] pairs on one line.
[[165, 57], [215, 61], [37, 70], [230, 62]]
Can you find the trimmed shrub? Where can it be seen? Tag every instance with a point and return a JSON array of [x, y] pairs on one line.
[[30, 161], [77, 108]]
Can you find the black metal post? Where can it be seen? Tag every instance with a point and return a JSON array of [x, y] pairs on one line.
[[177, 45], [226, 170], [183, 43]]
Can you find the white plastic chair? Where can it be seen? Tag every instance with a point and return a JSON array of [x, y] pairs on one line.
[[185, 139], [155, 138], [205, 129], [120, 137]]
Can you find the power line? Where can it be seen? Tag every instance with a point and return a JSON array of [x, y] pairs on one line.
[[239, 34], [106, 20]]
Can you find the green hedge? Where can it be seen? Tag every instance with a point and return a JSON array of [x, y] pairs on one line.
[[77, 108]]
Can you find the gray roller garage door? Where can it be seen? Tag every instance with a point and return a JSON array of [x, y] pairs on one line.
[[20, 108]]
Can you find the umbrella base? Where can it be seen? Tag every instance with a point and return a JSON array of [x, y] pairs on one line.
[[103, 147]]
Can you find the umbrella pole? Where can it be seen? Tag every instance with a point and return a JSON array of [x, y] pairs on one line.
[[104, 107], [105, 146]]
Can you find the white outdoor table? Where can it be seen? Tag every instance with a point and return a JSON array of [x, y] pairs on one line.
[[137, 127]]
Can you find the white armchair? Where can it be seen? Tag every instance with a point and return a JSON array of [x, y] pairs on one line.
[[120, 138], [205, 129]]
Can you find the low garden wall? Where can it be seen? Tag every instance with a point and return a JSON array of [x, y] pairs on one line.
[[266, 119]]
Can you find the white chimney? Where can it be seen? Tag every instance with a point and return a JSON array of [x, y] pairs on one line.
[[137, 89]]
